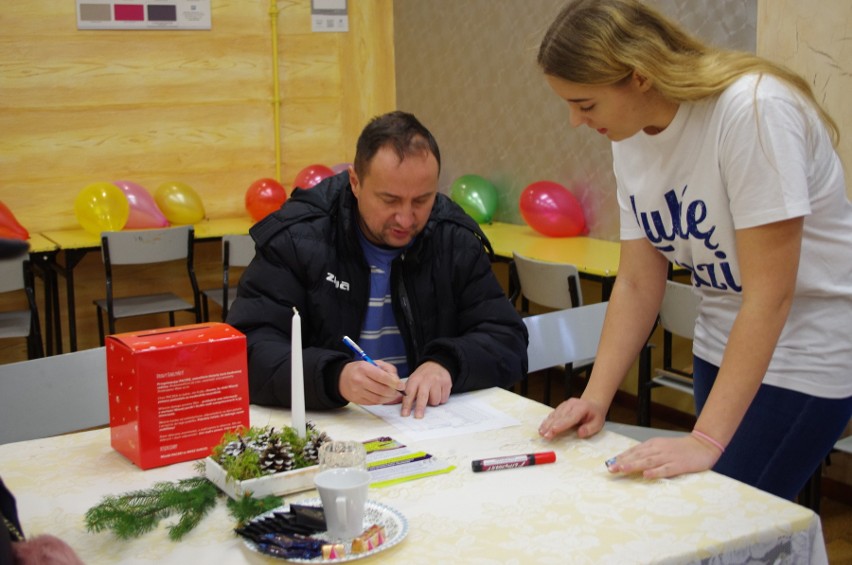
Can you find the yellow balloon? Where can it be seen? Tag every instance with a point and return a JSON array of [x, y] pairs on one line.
[[179, 203], [102, 206]]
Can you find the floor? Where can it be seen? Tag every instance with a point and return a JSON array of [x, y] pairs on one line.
[[835, 511]]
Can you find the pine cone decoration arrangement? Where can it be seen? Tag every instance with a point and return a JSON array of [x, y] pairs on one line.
[[255, 452]]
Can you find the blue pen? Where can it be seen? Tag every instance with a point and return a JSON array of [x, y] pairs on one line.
[[362, 354], [358, 351]]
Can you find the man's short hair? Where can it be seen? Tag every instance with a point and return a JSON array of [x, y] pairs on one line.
[[398, 130]]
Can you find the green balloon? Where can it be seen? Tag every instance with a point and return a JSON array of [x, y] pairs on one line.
[[476, 196]]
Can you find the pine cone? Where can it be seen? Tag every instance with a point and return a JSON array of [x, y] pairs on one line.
[[315, 440], [311, 451], [234, 448], [261, 440], [277, 457]]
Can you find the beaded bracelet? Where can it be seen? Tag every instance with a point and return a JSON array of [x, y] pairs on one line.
[[708, 439]]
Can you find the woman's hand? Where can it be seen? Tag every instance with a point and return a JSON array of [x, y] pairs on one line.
[[660, 457], [586, 416]]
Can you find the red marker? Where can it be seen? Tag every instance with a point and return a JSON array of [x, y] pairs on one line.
[[512, 461]]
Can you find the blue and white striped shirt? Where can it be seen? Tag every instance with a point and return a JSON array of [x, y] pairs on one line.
[[380, 335]]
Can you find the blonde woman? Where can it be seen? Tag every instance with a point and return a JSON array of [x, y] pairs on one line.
[[726, 166]]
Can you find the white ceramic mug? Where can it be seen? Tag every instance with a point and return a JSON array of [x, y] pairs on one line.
[[342, 453], [344, 495]]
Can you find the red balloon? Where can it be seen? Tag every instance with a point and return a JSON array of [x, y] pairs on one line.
[[10, 226], [551, 209], [263, 197], [311, 176]]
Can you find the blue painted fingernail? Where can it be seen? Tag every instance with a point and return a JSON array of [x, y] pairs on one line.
[[610, 462]]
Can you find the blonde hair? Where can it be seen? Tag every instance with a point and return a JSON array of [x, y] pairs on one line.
[[601, 42]]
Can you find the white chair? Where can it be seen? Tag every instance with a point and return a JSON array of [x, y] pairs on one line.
[[16, 276], [237, 251], [641, 433], [53, 395], [564, 337], [144, 247], [678, 313], [551, 285]]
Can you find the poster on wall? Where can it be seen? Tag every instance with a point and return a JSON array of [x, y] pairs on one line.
[[144, 14]]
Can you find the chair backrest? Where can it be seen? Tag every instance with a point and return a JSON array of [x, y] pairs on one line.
[[53, 395], [148, 246], [565, 336], [137, 247], [16, 275], [553, 285], [237, 250], [12, 274], [679, 309]]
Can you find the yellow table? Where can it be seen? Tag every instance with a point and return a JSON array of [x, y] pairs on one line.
[[596, 259], [217, 227], [570, 511], [76, 243]]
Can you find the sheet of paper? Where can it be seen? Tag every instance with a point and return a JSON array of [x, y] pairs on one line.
[[391, 462], [462, 414]]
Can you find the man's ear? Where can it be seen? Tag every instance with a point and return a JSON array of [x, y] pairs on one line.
[[353, 180]]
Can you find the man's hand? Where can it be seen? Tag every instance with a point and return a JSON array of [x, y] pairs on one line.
[[430, 384], [363, 383]]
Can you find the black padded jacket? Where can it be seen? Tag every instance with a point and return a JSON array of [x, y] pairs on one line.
[[449, 306]]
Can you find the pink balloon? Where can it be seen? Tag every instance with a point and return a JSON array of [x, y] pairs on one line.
[[551, 209], [144, 212], [340, 167]]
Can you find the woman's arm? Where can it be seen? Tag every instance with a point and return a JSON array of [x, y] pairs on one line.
[[630, 316], [769, 262]]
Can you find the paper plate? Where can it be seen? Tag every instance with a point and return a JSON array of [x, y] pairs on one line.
[[394, 523]]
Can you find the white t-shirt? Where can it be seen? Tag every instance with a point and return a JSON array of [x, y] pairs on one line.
[[754, 155]]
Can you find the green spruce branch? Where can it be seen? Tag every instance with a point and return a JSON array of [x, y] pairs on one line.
[[138, 512], [134, 513]]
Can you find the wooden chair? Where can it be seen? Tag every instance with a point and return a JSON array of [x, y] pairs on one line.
[[145, 247], [551, 285], [16, 276], [237, 251], [53, 395], [677, 318]]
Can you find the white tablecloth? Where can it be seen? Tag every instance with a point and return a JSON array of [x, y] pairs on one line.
[[571, 511]]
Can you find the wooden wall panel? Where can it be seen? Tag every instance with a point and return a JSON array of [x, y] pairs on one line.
[[192, 106]]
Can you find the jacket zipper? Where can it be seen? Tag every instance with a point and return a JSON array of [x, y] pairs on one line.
[[406, 309]]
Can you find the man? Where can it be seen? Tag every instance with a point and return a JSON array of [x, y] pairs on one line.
[[377, 254]]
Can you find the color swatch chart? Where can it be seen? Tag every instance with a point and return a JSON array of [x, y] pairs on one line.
[[143, 14]]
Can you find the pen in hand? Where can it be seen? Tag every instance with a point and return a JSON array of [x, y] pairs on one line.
[[362, 354]]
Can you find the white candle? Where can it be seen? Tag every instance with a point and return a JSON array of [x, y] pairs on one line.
[[297, 377]]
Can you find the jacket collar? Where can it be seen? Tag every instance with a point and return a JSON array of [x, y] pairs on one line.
[[333, 197]]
